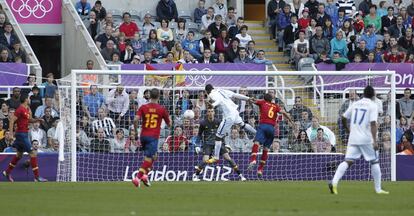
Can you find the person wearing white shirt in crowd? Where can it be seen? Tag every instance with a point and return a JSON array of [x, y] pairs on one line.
[[37, 133], [220, 8], [118, 104], [300, 47], [243, 36], [223, 98], [147, 26], [118, 142], [207, 19], [362, 117]]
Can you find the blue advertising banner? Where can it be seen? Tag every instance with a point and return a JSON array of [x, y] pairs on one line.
[[23, 172]]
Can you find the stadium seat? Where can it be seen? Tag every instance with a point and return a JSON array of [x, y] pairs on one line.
[[185, 15], [135, 15], [306, 64], [173, 25], [191, 26], [157, 25]]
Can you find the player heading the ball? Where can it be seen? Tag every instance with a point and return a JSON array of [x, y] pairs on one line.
[[222, 98]]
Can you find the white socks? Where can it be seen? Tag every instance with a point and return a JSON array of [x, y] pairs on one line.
[[217, 148], [339, 173], [249, 128], [376, 175]]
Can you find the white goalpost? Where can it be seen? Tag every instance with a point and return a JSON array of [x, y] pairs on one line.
[[99, 144]]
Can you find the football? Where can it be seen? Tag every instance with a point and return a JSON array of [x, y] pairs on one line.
[[189, 114]]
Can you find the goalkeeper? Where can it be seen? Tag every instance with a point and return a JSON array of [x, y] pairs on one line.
[[207, 134]]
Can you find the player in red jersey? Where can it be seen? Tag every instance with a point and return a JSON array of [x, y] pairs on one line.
[[266, 130], [151, 115], [22, 117]]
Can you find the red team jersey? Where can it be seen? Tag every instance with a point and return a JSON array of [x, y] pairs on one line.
[[23, 115], [152, 115], [268, 112]]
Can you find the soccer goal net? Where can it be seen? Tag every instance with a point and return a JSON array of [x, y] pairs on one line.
[[98, 109]]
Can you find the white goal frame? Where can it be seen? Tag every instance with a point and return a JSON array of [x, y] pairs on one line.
[[75, 73]]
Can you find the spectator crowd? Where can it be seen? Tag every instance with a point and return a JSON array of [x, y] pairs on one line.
[[341, 31], [10, 46], [211, 34]]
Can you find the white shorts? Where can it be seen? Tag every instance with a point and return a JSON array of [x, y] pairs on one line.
[[226, 124], [354, 152]]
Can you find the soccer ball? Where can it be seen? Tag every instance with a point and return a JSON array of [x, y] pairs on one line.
[[189, 114]]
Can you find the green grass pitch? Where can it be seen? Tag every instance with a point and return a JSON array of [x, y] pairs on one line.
[[204, 198]]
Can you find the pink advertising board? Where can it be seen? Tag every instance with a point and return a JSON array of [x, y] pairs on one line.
[[36, 11]]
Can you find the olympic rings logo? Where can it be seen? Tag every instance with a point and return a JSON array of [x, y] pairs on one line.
[[199, 80], [36, 8]]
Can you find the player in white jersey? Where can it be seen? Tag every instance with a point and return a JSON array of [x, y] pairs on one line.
[[223, 98], [362, 116]]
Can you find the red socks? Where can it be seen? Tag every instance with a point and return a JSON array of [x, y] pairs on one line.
[[145, 168], [255, 149], [12, 164], [35, 168], [263, 159]]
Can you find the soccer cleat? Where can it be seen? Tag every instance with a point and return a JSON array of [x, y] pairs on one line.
[[242, 178], [260, 174], [196, 178], [383, 192], [8, 176], [146, 181], [136, 181], [333, 189], [212, 160], [251, 165], [40, 179]]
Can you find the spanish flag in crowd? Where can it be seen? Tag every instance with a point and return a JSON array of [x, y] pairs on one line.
[[162, 80]]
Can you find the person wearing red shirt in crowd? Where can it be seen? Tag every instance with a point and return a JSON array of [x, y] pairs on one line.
[[304, 21], [177, 142], [127, 27], [266, 130], [22, 117], [393, 56], [151, 115]]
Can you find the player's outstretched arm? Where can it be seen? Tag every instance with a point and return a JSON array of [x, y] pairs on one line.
[[240, 96]]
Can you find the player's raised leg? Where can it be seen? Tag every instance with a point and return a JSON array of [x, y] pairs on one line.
[[253, 155]]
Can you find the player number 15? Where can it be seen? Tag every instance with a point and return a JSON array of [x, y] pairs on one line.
[[151, 120]]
